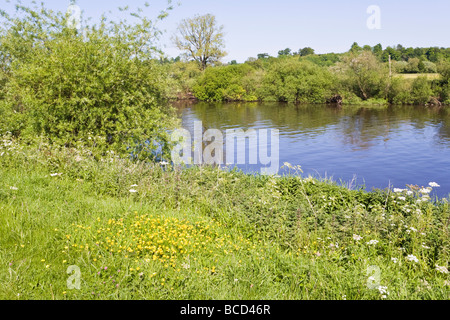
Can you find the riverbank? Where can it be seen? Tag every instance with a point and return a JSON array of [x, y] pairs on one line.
[[139, 231]]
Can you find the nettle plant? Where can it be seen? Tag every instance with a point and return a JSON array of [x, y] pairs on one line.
[[70, 83]]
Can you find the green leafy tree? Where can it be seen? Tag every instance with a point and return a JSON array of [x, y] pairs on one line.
[[306, 51], [365, 75], [378, 50], [285, 52], [201, 39], [355, 48]]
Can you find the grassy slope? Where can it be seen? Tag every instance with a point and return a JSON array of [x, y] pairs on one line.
[[220, 235]]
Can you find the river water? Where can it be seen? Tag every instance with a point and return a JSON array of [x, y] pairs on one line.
[[378, 147]]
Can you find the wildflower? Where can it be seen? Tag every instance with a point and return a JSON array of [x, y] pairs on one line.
[[425, 190], [133, 191], [441, 269], [394, 260], [397, 190], [402, 198], [55, 174], [425, 247], [134, 185], [357, 237], [373, 242], [14, 188], [344, 297], [434, 184], [287, 164], [164, 163], [383, 291], [412, 258], [409, 193]]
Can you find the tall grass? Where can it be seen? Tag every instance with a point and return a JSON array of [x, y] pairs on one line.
[[148, 231]]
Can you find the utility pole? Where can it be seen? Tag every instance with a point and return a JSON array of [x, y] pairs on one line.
[[390, 67]]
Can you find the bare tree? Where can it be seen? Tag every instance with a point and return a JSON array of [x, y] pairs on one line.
[[200, 39]]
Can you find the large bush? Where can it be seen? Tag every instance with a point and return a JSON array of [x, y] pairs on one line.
[[224, 83], [291, 80], [98, 86], [364, 75]]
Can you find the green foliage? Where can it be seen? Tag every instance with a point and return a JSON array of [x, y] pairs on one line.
[[400, 92], [201, 39], [291, 80], [421, 91], [306, 51], [79, 86], [364, 75], [224, 83]]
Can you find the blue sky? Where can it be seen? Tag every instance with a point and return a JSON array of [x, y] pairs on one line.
[[262, 26]]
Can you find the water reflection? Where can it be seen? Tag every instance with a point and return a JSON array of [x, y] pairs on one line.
[[396, 145]]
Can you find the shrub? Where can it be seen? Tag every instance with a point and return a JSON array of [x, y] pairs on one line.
[[421, 90], [70, 86], [224, 83], [291, 80]]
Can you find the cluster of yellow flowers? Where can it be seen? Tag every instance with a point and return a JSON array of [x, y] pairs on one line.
[[167, 240]]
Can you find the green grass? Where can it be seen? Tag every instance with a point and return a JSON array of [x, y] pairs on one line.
[[204, 233], [412, 76]]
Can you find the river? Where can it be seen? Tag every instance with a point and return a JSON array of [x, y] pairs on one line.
[[378, 147]]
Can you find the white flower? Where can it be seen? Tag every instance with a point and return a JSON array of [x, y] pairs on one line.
[[425, 190], [409, 193], [412, 258], [394, 260], [134, 185], [425, 247], [55, 174], [14, 188], [434, 184], [402, 198], [397, 190], [383, 291], [133, 191], [164, 163], [441, 269], [357, 237], [413, 229], [373, 242], [344, 297], [236, 280]]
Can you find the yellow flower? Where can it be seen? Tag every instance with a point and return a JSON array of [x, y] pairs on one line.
[[64, 261], [43, 260]]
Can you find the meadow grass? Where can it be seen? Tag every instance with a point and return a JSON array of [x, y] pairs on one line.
[[147, 231], [412, 76]]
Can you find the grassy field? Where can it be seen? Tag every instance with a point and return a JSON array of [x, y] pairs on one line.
[[412, 76], [139, 231]]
